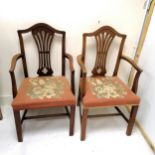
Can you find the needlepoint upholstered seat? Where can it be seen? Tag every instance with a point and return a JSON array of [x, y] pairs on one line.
[[105, 91], [100, 89], [53, 91], [45, 90]]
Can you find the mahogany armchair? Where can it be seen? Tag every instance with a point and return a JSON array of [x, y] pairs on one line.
[[44, 90], [101, 90]]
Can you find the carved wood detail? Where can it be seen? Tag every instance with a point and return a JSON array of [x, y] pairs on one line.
[[103, 42], [43, 38]]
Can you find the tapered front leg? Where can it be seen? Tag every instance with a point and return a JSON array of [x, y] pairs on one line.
[[84, 124], [131, 120], [18, 125], [72, 120]]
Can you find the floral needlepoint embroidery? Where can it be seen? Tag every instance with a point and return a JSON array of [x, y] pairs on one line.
[[46, 87], [106, 88]]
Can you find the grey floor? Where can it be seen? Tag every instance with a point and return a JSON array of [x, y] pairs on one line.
[[105, 136]]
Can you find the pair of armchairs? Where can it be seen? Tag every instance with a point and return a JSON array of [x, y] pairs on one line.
[[47, 90]]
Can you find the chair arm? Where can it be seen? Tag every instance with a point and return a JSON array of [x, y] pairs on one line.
[[11, 70], [83, 74], [70, 58], [129, 60], [82, 66], [137, 75], [14, 62]]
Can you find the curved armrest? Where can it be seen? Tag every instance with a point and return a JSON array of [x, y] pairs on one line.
[[14, 61], [11, 70], [83, 73], [137, 75], [82, 66], [69, 57], [132, 63]]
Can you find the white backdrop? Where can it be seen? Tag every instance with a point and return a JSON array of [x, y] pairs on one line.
[[146, 113]]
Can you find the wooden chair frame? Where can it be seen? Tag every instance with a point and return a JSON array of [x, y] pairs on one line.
[[83, 75], [1, 116], [71, 113]]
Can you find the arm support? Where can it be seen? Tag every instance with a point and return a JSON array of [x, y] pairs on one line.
[[70, 59], [12, 68], [137, 75], [82, 66], [83, 73]]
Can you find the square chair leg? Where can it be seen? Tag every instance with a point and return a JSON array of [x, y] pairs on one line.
[[131, 120], [84, 124], [18, 125], [72, 118]]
